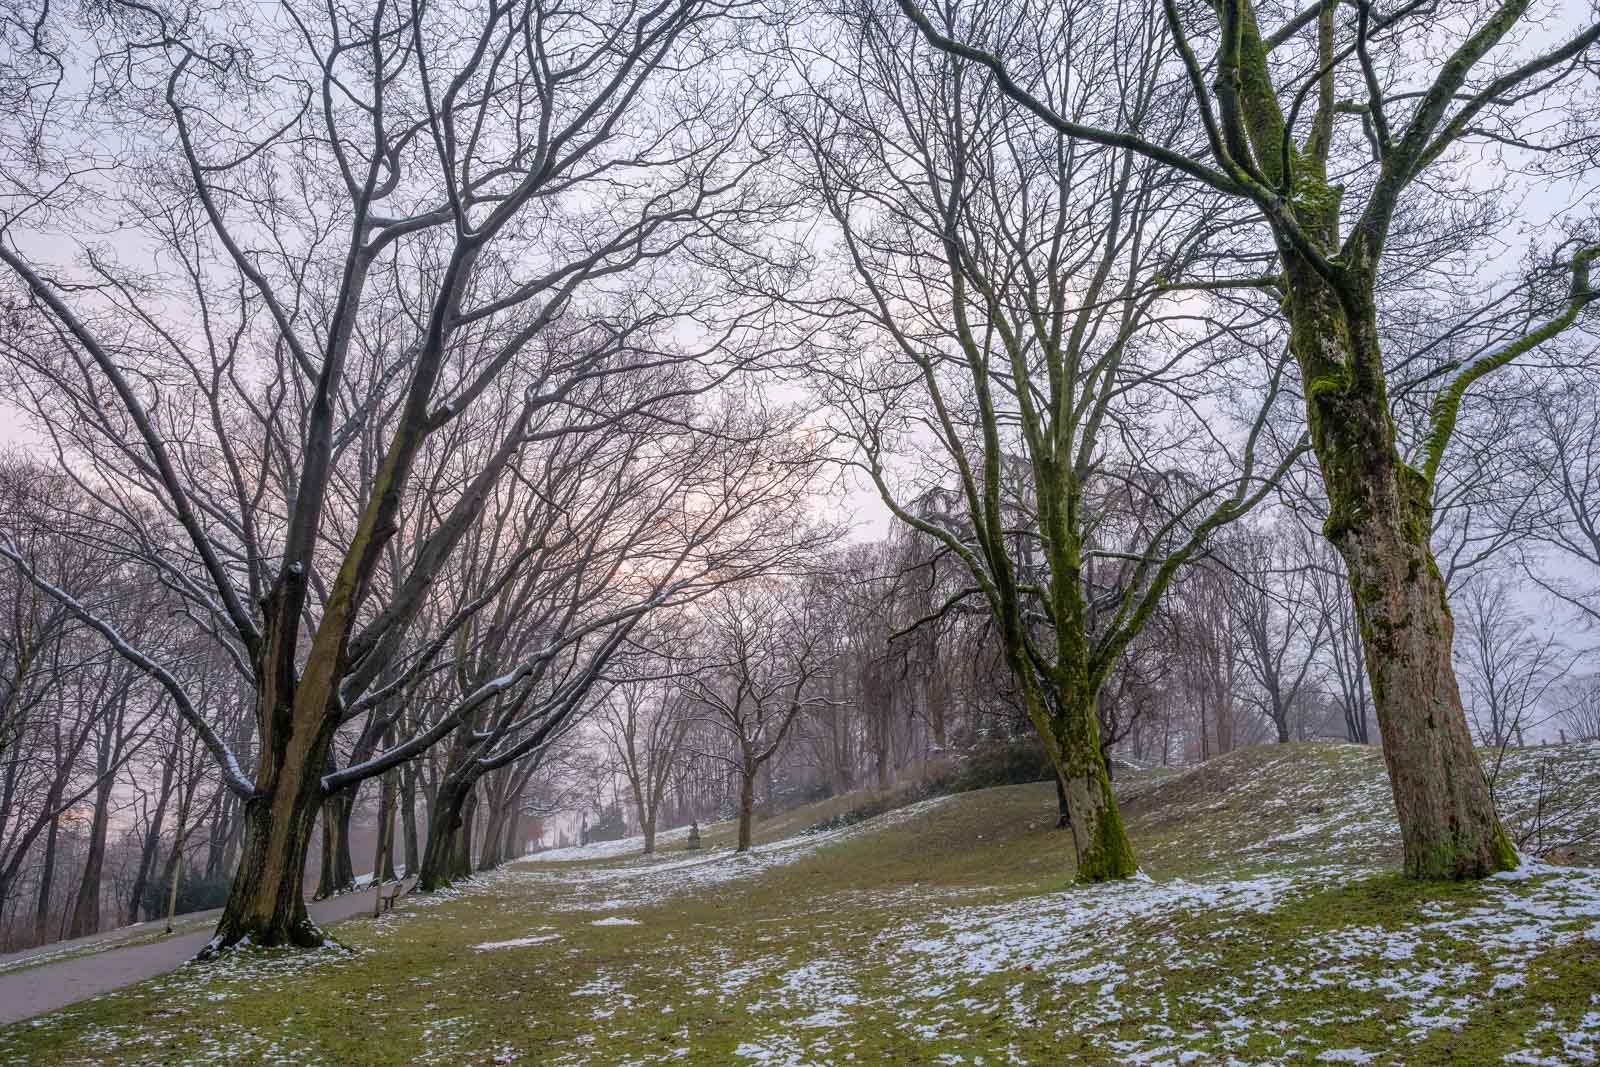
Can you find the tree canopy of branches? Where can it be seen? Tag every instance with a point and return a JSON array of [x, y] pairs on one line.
[[1008, 316], [395, 249], [1332, 130]]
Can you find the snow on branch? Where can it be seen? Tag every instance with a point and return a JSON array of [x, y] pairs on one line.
[[232, 774]]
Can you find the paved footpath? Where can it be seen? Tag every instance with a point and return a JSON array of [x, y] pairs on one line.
[[46, 987]]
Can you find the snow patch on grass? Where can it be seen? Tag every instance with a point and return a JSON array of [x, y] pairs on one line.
[[646, 881], [519, 942]]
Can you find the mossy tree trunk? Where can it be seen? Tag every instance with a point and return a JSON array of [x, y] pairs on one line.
[[1099, 837], [267, 905], [1067, 723], [1380, 518]]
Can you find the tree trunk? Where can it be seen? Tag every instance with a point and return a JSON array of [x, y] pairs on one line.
[[1098, 836], [1379, 522], [514, 847], [152, 839], [86, 909], [1447, 819], [747, 806], [408, 816], [267, 903], [493, 837], [41, 914], [386, 828], [1068, 725], [461, 845], [235, 839], [176, 873], [451, 823], [329, 827], [216, 832], [338, 865]]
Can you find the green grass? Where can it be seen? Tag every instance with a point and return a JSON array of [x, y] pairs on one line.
[[1274, 933]]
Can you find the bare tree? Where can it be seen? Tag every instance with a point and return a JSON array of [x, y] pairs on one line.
[[1009, 319], [1380, 119], [648, 520], [1507, 668], [445, 202], [1560, 460], [645, 718], [1276, 611], [1580, 708], [764, 650]]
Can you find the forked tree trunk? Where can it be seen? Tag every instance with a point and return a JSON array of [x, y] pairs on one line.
[[447, 856], [267, 903], [1379, 521]]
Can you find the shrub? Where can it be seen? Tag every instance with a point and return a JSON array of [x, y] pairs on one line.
[[1015, 762], [196, 892]]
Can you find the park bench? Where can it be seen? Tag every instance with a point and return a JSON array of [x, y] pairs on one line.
[[391, 893]]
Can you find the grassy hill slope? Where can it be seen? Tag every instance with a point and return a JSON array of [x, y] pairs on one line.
[[1270, 929]]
